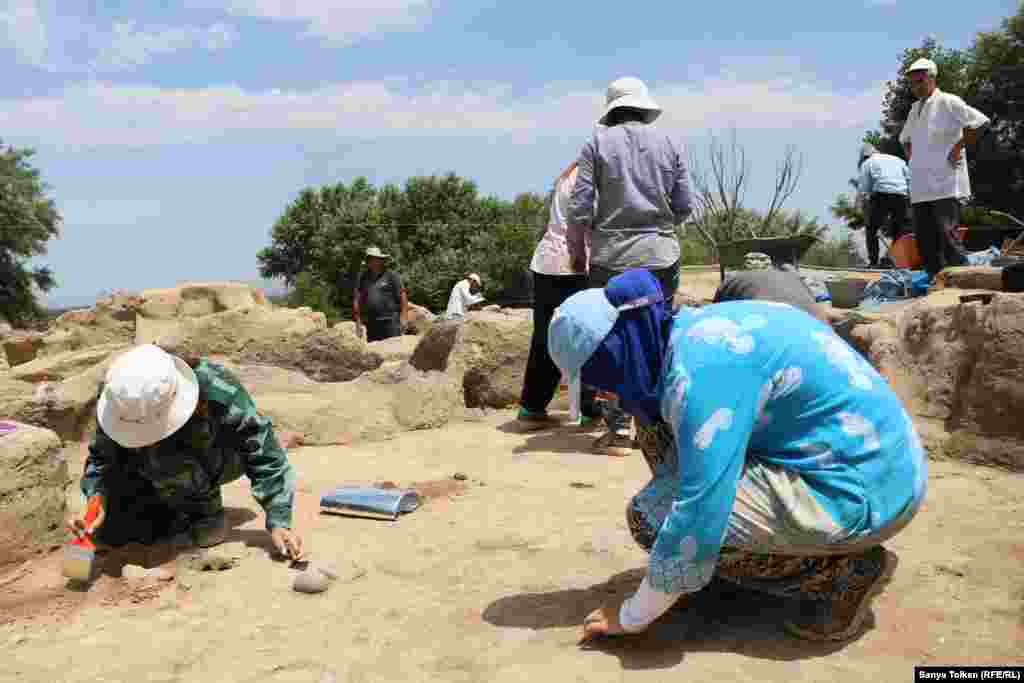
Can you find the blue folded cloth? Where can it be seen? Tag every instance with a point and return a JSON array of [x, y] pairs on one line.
[[897, 285]]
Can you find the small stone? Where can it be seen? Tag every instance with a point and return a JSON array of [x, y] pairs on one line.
[[311, 581], [581, 485], [134, 571], [19, 639], [459, 476], [326, 568]]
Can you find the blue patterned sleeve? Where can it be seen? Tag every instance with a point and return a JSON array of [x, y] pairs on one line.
[[712, 411]]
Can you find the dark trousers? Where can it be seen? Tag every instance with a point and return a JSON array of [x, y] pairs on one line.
[[935, 225], [542, 375], [884, 206], [383, 328], [668, 278]]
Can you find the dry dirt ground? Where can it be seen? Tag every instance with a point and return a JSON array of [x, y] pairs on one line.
[[490, 583]]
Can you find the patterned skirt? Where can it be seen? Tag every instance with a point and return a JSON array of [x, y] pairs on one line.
[[761, 551]]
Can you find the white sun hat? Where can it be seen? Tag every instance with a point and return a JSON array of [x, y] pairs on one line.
[[924, 65], [629, 92], [148, 395]]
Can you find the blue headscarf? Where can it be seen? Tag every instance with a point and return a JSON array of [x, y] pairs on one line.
[[630, 360]]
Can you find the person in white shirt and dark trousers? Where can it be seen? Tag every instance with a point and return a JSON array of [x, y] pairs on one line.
[[939, 126], [464, 295], [554, 281]]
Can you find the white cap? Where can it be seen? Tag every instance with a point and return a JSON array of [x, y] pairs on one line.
[[925, 65]]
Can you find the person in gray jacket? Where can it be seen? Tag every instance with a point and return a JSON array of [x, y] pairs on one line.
[[632, 189]]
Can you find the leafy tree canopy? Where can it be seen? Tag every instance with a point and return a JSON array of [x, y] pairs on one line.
[[28, 220]]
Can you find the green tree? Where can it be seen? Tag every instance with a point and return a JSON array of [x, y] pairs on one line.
[[437, 228], [845, 210], [996, 87], [28, 220]]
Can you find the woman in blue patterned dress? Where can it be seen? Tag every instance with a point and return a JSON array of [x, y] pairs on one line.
[[781, 459]]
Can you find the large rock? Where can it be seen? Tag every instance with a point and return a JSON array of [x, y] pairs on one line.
[[970, 277], [22, 347], [196, 299], [486, 353], [62, 366], [374, 407], [33, 474], [232, 333], [67, 406], [333, 355], [959, 368], [435, 347], [161, 310], [110, 321]]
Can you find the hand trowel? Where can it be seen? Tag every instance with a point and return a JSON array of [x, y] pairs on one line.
[[79, 553]]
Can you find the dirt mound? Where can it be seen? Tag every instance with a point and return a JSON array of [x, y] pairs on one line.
[[37, 591]]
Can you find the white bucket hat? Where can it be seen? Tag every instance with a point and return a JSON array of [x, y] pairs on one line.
[[148, 395], [629, 92], [475, 278], [375, 251]]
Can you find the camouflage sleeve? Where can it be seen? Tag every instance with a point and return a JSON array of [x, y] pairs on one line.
[[264, 461], [101, 459]]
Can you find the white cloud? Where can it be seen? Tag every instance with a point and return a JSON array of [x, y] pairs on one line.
[[104, 114], [22, 27], [342, 21], [130, 46]]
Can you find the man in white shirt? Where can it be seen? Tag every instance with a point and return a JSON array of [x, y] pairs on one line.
[[939, 126], [464, 294]]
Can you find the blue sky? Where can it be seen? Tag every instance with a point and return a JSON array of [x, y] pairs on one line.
[[174, 133]]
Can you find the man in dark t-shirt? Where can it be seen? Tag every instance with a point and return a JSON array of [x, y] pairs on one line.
[[380, 302], [770, 285]]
